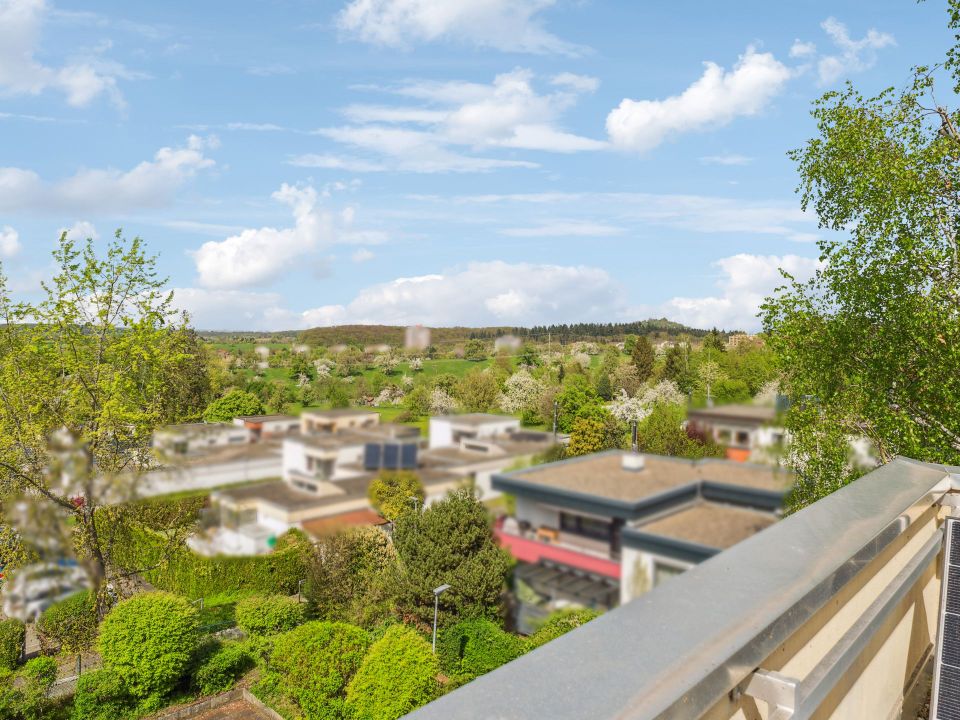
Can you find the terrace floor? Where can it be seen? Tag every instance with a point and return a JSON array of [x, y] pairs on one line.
[[237, 710]]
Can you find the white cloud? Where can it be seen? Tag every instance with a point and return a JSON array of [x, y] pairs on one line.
[[717, 98], [508, 25], [9, 242], [565, 228], [151, 183], [234, 309], [458, 118], [81, 80], [727, 159], [270, 70], [362, 255], [801, 49], [81, 230], [855, 55], [744, 283]]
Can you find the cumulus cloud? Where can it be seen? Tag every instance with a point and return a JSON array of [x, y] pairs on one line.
[[745, 280], [717, 98], [854, 55], [508, 25], [81, 230], [151, 183], [362, 255], [81, 81], [9, 242], [454, 122], [801, 49], [727, 159]]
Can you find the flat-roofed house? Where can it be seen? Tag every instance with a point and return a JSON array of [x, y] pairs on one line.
[[602, 529], [188, 438], [449, 430], [330, 421], [741, 428], [265, 426]]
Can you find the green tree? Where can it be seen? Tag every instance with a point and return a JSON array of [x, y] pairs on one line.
[[70, 624], [676, 367], [395, 492], [478, 390], [236, 403], [576, 400], [301, 365], [450, 542], [475, 350], [643, 358], [398, 675], [662, 433], [594, 434], [713, 342], [870, 345], [87, 374]]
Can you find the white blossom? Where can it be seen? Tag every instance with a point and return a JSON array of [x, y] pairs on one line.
[[522, 392], [629, 409], [441, 402], [582, 359], [664, 392], [767, 395], [390, 395], [416, 364]]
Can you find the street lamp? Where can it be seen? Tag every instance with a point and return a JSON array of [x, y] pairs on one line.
[[436, 605]]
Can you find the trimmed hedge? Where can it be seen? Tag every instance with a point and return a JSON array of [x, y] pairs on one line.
[[313, 664], [71, 623], [560, 623], [269, 615], [196, 576], [12, 636], [398, 675], [101, 695], [475, 647], [221, 668], [149, 640]]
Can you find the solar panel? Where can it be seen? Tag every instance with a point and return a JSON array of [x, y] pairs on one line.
[[408, 456], [372, 456], [945, 699], [391, 456]]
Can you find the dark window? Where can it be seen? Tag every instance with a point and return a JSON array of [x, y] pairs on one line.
[[743, 438], [588, 527]]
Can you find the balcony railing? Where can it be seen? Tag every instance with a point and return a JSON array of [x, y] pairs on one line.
[[830, 613], [533, 551]]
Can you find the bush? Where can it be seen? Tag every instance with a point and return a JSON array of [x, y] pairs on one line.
[[313, 664], [23, 695], [235, 403], [398, 675], [149, 641], [101, 695], [222, 667], [259, 615], [12, 634], [560, 623], [475, 647], [71, 623]]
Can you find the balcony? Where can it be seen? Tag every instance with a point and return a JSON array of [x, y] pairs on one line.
[[577, 556], [830, 613]]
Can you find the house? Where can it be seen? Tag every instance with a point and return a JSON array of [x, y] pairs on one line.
[[416, 337], [738, 340], [189, 438], [331, 421], [601, 529], [215, 467], [266, 426], [510, 343], [743, 429], [448, 430]]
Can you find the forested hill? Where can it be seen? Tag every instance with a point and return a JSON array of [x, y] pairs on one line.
[[394, 335]]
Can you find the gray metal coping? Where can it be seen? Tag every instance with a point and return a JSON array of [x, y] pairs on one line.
[[675, 651]]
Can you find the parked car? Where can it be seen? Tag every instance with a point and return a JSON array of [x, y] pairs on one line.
[[34, 588]]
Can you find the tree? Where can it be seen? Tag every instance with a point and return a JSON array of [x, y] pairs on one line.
[[70, 624], [521, 393], [590, 435], [301, 366], [450, 542], [662, 433], [676, 367], [86, 374], [478, 390], [870, 345], [577, 400], [475, 350], [643, 358], [395, 492], [236, 403], [709, 374]]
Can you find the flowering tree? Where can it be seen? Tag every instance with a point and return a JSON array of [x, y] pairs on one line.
[[390, 395], [416, 365], [522, 392], [441, 402], [638, 408]]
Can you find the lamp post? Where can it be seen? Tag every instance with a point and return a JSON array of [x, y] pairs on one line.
[[436, 606]]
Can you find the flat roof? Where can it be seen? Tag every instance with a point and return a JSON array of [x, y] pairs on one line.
[[192, 426], [267, 418], [321, 527], [759, 413], [220, 455], [710, 524], [338, 412], [477, 419]]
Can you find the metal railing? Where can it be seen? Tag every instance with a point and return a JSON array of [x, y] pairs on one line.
[[830, 613]]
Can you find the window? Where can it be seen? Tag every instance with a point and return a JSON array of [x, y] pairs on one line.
[[588, 527], [743, 438], [663, 572]]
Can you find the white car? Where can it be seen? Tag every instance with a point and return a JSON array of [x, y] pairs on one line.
[[34, 588]]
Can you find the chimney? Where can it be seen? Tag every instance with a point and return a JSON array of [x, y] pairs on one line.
[[632, 462]]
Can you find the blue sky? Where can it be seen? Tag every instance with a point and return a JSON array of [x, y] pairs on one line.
[[508, 162]]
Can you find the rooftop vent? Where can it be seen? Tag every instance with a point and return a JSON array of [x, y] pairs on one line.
[[632, 462]]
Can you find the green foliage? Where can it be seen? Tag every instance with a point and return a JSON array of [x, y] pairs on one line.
[[577, 400], [12, 634], [475, 350], [643, 358], [450, 542], [398, 675], [713, 342], [560, 623], [391, 493], [71, 623], [676, 367], [478, 390], [313, 664], [221, 666], [871, 343], [269, 615], [235, 403], [23, 695], [662, 433], [590, 435], [149, 641], [101, 695], [475, 647]]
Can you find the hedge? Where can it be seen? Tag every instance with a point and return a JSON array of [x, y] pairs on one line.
[[268, 615], [101, 695], [71, 623], [560, 623], [196, 576], [221, 667], [23, 695], [398, 675], [475, 647], [12, 636]]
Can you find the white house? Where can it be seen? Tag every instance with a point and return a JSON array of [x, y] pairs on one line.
[[449, 430], [188, 438]]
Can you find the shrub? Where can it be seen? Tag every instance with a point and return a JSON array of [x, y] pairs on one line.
[[398, 675], [392, 491], [101, 695], [235, 403], [12, 634], [560, 623], [313, 664], [221, 668], [149, 641], [475, 647], [71, 623], [23, 695], [259, 615]]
